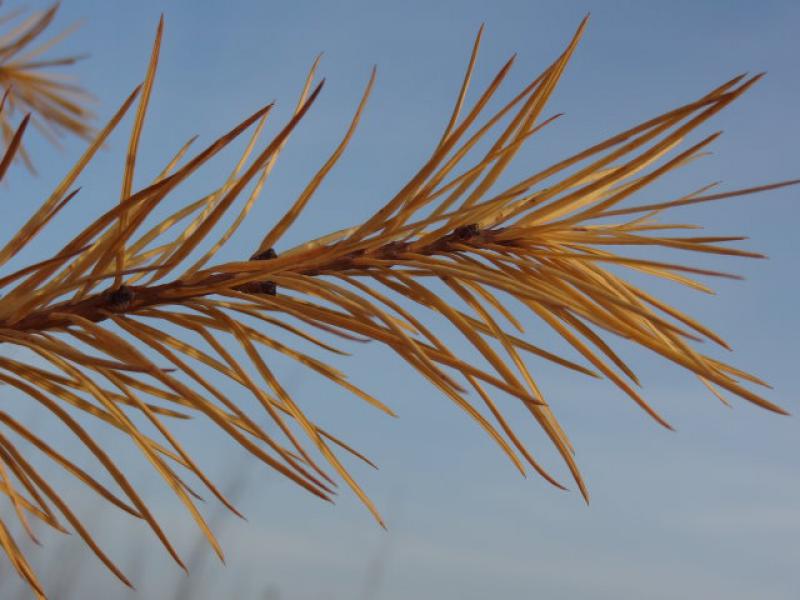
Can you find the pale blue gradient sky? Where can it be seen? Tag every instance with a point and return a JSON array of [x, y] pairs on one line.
[[712, 511]]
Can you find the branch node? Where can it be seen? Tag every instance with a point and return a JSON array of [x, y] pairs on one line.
[[267, 254], [121, 298]]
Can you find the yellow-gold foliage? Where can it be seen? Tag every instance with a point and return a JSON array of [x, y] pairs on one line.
[[98, 311], [56, 105]]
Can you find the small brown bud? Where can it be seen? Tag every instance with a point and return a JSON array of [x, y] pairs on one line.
[[466, 232], [267, 287], [121, 298], [267, 254]]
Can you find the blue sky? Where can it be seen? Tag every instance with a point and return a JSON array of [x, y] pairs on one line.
[[710, 511]]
